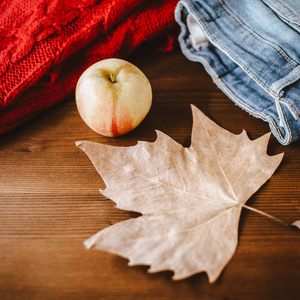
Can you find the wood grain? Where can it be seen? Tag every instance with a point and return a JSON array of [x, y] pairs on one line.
[[50, 202]]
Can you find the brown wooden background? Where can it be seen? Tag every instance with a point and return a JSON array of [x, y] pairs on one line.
[[50, 203]]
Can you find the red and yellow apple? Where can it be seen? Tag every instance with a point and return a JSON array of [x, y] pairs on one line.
[[113, 96]]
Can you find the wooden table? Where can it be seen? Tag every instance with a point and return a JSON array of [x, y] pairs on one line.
[[50, 202]]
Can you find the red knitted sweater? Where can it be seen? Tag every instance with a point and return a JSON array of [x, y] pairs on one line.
[[46, 45]]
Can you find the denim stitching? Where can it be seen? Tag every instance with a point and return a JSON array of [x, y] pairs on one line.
[[280, 13], [289, 104], [251, 108], [233, 95], [229, 53], [256, 36], [284, 100], [288, 82], [279, 50], [286, 122], [238, 99], [254, 76]]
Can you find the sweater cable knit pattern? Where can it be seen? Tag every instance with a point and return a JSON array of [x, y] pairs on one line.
[[46, 45]]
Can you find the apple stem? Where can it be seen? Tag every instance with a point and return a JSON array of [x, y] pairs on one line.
[[112, 78]]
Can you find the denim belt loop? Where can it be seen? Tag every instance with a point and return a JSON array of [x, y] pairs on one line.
[[278, 88]]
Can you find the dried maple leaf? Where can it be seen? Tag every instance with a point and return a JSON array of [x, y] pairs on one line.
[[190, 198]]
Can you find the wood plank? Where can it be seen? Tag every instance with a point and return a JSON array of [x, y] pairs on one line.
[[50, 202]]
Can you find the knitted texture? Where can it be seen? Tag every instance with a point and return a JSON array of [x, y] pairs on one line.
[[46, 45]]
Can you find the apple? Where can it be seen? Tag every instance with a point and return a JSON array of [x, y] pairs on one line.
[[113, 96]]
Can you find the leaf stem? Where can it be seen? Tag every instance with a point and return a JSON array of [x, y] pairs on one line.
[[266, 215]]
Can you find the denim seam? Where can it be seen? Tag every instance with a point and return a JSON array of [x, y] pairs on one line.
[[229, 53], [286, 83], [286, 122], [284, 100], [258, 38], [280, 13], [291, 107], [226, 51], [254, 76], [248, 106], [283, 54], [258, 113], [291, 12], [235, 96]]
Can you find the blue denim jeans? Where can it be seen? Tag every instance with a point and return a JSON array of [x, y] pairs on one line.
[[252, 53]]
